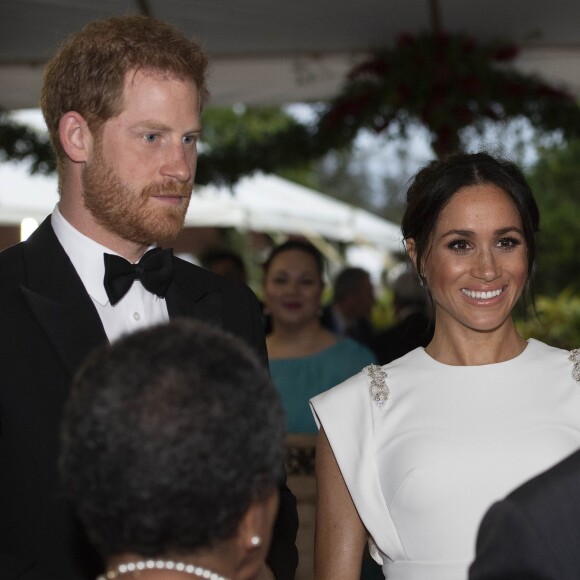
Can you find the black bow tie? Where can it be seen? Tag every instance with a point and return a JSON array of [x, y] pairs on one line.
[[154, 270]]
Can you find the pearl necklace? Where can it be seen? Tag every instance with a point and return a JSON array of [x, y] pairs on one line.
[[142, 565]]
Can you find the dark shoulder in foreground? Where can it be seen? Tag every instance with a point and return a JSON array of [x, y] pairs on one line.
[[563, 475]]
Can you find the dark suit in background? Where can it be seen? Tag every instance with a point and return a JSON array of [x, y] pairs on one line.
[[413, 325], [349, 314], [360, 330], [534, 534], [48, 325], [407, 334]]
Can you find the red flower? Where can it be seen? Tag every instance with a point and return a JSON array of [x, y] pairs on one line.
[[552, 93], [468, 45], [464, 115], [505, 53], [403, 93], [406, 39], [442, 40], [471, 85], [515, 89]]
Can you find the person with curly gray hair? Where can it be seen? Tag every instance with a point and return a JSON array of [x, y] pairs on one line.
[[172, 452]]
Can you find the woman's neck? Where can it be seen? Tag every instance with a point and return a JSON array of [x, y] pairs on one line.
[[465, 346]]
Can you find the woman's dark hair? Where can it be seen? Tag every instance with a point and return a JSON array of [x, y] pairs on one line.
[[168, 436], [301, 246], [435, 185]]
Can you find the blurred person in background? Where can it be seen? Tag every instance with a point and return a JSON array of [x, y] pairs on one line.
[[305, 359], [349, 313], [226, 263], [413, 324]]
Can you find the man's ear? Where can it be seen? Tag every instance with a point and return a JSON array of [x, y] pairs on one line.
[[75, 136]]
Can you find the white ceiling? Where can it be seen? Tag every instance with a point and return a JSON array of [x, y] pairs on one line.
[[278, 51]]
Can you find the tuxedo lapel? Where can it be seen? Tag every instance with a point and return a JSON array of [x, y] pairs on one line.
[[58, 299], [187, 298]]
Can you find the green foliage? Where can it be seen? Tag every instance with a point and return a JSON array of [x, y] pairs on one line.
[[240, 141], [383, 313], [225, 125], [557, 321], [19, 142], [555, 181]]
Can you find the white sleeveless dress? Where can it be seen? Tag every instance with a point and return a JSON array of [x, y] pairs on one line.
[[423, 468]]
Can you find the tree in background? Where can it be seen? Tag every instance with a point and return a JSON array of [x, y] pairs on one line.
[[555, 321], [555, 181], [18, 142]]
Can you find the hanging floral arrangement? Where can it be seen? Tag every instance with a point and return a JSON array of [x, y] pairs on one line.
[[444, 82], [447, 83]]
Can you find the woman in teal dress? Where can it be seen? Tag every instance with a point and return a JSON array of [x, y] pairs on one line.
[[299, 379], [305, 358]]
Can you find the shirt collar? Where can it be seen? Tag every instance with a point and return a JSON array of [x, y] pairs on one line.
[[85, 254]]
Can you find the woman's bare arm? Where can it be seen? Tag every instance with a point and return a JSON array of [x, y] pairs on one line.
[[340, 535]]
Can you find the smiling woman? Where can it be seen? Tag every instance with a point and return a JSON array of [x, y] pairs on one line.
[[305, 358], [410, 455], [476, 270]]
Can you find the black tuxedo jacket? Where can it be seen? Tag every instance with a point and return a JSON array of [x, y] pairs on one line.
[[48, 324], [534, 534]]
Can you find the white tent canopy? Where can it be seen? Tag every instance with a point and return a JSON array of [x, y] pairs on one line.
[[25, 196], [268, 203], [264, 203], [266, 52]]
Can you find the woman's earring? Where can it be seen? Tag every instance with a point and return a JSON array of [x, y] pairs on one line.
[[255, 541]]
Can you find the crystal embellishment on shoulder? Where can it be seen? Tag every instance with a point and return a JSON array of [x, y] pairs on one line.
[[575, 358], [378, 388]]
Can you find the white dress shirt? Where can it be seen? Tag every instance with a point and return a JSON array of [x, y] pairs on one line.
[[137, 309]]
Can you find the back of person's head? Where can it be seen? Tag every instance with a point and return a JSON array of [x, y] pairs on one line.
[[226, 263], [169, 436], [348, 281], [435, 184], [87, 74], [408, 292], [353, 293]]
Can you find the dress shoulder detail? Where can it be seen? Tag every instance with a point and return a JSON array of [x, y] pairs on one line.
[[378, 388], [575, 358]]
